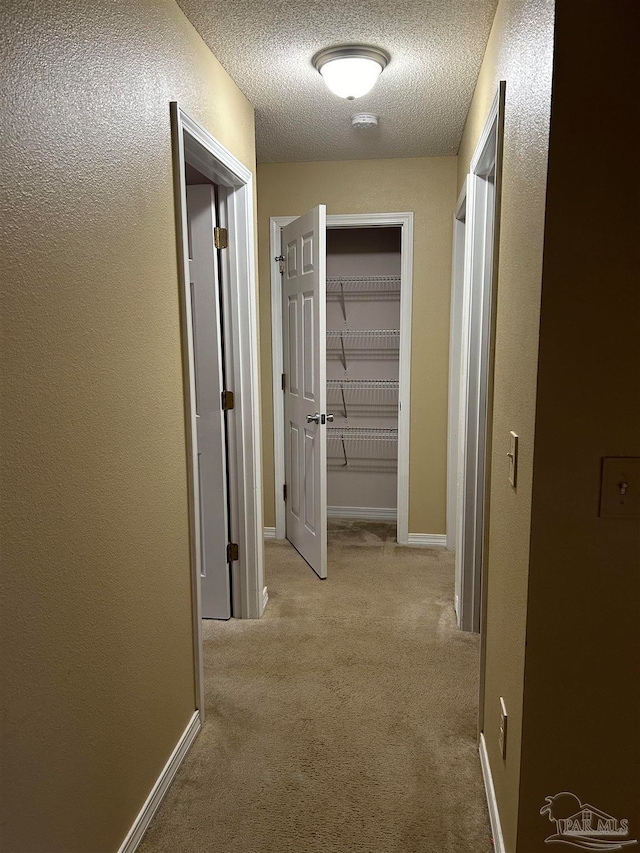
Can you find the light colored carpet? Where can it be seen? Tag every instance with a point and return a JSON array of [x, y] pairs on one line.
[[342, 721]]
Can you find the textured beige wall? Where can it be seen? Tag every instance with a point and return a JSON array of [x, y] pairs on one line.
[[426, 186], [519, 51], [97, 648], [581, 730]]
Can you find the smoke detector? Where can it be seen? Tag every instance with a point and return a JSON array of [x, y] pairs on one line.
[[364, 120]]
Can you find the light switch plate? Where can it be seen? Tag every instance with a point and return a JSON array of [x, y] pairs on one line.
[[502, 731], [620, 487], [513, 458]]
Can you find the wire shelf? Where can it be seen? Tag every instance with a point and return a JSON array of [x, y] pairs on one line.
[[363, 284], [388, 385], [363, 344], [369, 464], [362, 448], [387, 434], [364, 338], [372, 397]]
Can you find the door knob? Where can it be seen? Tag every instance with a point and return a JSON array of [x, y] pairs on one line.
[[330, 418], [313, 419]]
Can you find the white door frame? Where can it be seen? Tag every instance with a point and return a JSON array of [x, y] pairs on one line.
[[348, 220], [457, 378], [193, 144], [478, 342]]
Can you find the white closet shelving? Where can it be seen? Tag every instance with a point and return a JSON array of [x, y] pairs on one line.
[[363, 396], [354, 285], [362, 344], [363, 348], [364, 282], [359, 448], [387, 385], [364, 438], [366, 338]]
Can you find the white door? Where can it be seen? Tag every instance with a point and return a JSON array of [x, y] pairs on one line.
[[210, 419], [304, 333]]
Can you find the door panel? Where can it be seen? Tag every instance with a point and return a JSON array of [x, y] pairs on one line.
[[304, 309], [210, 423], [294, 484], [308, 361], [293, 350], [309, 480]]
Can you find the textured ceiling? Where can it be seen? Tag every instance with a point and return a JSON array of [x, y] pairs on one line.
[[422, 97]]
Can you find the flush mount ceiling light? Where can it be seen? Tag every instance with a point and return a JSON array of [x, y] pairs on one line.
[[351, 70]]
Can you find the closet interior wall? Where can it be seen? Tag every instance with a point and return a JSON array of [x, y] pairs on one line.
[[363, 322]]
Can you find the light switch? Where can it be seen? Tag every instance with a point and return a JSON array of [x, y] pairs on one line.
[[620, 487], [513, 458], [502, 731]]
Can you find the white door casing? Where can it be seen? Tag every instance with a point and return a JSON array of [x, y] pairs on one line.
[[210, 420], [304, 348], [478, 321], [358, 220], [470, 510], [457, 381], [191, 143]]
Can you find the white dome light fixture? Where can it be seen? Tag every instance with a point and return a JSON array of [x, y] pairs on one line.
[[351, 70]]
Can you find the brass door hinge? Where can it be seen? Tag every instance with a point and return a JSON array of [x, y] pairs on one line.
[[220, 238], [227, 401], [232, 552]]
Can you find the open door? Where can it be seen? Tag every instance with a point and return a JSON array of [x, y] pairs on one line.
[[303, 263], [215, 582]]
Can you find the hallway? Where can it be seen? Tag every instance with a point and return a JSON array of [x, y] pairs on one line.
[[344, 720]]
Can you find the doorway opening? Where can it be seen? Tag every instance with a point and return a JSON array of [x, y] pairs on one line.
[[211, 384], [363, 319], [218, 307], [363, 349]]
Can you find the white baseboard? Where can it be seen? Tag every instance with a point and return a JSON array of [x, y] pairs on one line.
[[269, 533], [438, 540], [164, 780], [494, 814], [370, 513], [265, 598]]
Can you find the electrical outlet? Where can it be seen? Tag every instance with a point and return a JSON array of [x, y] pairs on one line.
[[502, 733]]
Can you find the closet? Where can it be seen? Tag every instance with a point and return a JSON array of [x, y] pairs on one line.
[[363, 342]]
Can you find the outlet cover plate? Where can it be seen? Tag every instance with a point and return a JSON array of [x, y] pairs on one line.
[[502, 733]]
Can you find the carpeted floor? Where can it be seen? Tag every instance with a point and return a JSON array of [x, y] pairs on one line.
[[343, 721]]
